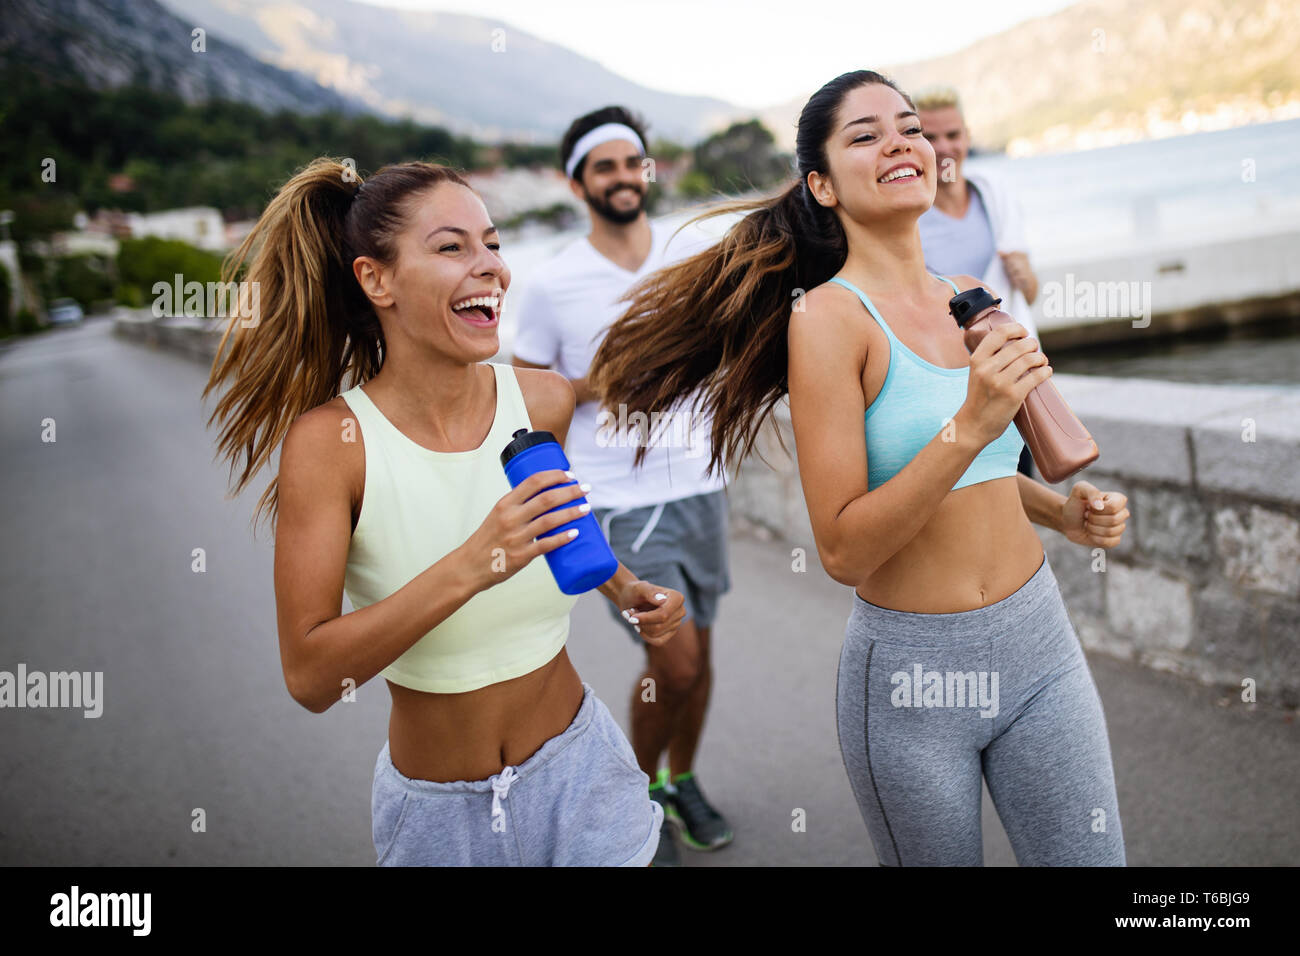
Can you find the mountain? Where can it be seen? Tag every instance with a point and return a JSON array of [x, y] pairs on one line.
[[1098, 71], [1110, 69], [110, 43], [476, 76]]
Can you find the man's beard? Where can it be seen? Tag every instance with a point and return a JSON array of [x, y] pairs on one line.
[[606, 211]]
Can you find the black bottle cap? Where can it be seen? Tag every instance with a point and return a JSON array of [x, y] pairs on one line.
[[964, 306], [523, 440]]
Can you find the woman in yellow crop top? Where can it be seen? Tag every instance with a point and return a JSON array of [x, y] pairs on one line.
[[398, 282], [954, 604]]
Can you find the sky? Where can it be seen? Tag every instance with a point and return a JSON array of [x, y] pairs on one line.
[[793, 54]]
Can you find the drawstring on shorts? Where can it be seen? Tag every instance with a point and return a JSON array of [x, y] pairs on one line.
[[500, 789], [645, 532]]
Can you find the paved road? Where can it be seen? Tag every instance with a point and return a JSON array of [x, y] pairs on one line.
[[101, 525]]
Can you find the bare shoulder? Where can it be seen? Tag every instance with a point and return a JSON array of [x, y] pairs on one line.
[[829, 303], [324, 448], [828, 320], [323, 428], [548, 396]]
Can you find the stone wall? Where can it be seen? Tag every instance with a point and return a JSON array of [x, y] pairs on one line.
[[195, 337], [1206, 582]]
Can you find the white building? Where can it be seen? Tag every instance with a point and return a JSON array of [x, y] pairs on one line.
[[200, 226], [507, 192], [9, 258]]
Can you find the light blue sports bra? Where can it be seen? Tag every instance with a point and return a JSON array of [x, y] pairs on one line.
[[915, 401]]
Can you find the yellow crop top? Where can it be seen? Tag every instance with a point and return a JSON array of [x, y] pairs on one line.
[[418, 506]]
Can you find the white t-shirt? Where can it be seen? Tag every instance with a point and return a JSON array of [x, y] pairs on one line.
[[563, 318]]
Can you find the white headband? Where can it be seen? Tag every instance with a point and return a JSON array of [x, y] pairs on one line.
[[601, 134]]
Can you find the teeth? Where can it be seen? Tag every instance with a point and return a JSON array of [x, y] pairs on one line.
[[490, 301], [905, 172]]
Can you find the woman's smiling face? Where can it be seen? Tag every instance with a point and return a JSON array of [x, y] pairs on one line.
[[446, 286], [881, 164]]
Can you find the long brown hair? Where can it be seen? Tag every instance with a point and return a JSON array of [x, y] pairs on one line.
[[313, 324], [714, 325]]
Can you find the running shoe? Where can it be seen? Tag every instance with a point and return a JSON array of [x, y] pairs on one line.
[[702, 827], [666, 854]]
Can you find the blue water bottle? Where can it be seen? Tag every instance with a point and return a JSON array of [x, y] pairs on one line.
[[586, 562]]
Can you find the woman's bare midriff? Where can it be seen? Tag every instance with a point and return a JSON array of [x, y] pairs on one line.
[[471, 736], [976, 549]]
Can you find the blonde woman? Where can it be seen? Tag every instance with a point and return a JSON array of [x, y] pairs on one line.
[[393, 491]]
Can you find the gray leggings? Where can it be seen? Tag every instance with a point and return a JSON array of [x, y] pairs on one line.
[[926, 703]]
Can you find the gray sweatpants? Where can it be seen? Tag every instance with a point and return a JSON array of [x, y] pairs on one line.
[[580, 800], [926, 703]]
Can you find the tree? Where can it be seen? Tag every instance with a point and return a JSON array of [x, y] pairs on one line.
[[741, 158]]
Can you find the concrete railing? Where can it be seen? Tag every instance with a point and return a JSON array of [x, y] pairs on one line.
[[1129, 294], [195, 337], [1206, 582]]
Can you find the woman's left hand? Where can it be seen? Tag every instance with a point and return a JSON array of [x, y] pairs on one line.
[[654, 611], [1019, 272], [1094, 518]]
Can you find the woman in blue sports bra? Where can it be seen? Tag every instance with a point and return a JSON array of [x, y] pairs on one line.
[[959, 663]]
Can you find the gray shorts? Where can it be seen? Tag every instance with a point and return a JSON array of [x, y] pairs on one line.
[[580, 800], [679, 544]]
